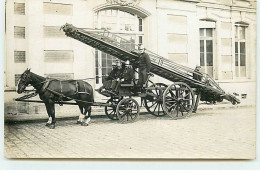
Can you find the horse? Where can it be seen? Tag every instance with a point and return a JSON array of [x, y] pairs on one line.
[[53, 90]]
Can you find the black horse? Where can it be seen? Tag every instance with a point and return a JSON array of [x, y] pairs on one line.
[[53, 90]]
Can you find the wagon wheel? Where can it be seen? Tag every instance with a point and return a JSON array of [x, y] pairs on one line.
[[178, 100], [127, 110], [111, 110], [154, 105]]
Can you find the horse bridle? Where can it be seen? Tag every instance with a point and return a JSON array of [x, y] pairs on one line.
[[25, 79], [28, 81]]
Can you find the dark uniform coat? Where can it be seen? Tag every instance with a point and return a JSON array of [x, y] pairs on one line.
[[144, 68], [128, 75], [145, 62], [113, 74]]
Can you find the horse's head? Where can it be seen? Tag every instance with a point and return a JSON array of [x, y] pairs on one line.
[[24, 81]]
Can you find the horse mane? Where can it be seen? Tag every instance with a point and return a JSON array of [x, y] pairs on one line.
[[38, 76]]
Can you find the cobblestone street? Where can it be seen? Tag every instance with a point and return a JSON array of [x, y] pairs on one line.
[[207, 134]]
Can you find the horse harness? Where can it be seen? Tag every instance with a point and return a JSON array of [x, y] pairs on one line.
[[60, 94], [47, 83]]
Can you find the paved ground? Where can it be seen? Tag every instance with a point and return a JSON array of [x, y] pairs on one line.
[[207, 134]]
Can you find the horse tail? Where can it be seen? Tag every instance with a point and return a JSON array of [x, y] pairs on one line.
[[92, 93]]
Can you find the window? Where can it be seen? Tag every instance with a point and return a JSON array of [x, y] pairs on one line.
[[97, 66], [206, 50], [240, 51], [19, 8], [19, 32], [140, 24], [53, 31], [55, 8], [140, 39], [111, 19], [103, 65], [106, 64], [58, 56], [17, 78], [127, 25], [19, 56]]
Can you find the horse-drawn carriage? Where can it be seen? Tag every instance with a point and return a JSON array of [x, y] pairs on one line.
[[176, 100], [122, 104]]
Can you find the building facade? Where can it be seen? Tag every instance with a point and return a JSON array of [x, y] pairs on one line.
[[218, 35]]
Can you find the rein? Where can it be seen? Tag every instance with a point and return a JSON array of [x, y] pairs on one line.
[[91, 78], [30, 85], [27, 96]]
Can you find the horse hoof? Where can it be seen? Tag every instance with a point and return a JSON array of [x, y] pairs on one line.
[[84, 124], [47, 124], [78, 122], [52, 126]]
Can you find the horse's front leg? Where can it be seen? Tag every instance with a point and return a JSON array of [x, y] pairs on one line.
[[49, 121], [50, 107]]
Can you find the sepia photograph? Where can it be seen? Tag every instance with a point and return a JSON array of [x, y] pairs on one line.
[[130, 79]]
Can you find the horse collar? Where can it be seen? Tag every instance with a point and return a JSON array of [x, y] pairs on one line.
[[45, 85]]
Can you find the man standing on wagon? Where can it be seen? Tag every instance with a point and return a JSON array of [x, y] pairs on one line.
[[144, 66]]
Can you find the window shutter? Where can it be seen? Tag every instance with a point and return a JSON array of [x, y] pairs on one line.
[[58, 56], [19, 56], [53, 31], [19, 32], [55, 8], [16, 78], [22, 107], [19, 8]]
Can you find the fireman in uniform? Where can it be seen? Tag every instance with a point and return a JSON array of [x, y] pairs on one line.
[[118, 75], [144, 66], [112, 75], [128, 75]]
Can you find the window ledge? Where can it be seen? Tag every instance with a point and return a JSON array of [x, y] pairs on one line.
[[236, 81], [9, 89]]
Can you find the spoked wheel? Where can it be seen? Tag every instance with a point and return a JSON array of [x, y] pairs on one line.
[[128, 110], [154, 105], [178, 100], [111, 110]]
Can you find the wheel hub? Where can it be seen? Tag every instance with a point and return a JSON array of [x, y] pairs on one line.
[[159, 100], [180, 100]]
